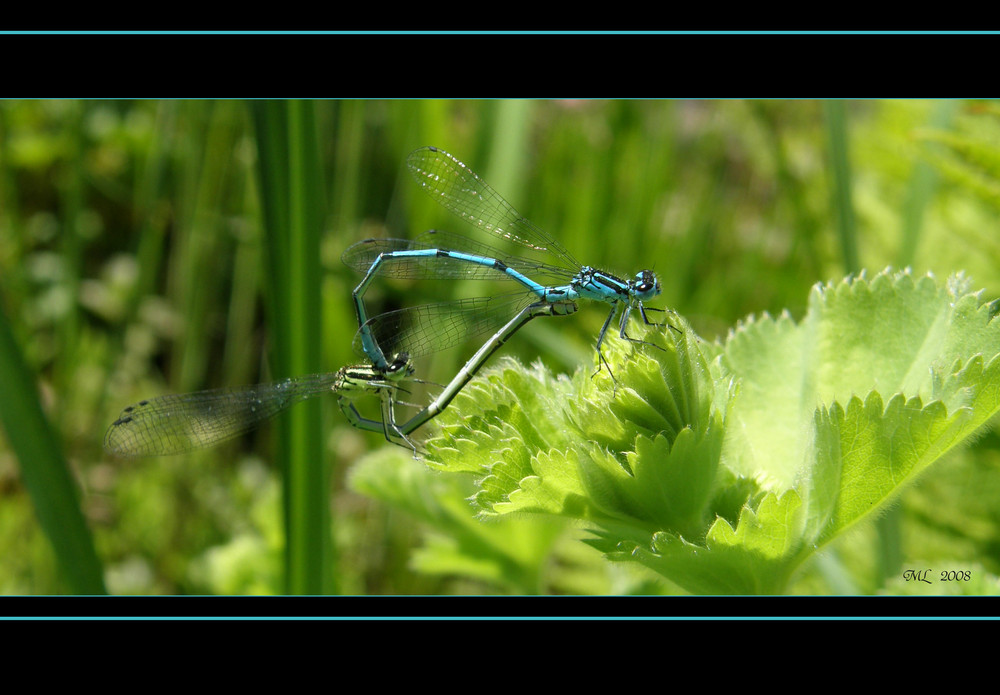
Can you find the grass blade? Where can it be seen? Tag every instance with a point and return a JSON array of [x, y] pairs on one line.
[[921, 188], [291, 200], [836, 124], [44, 471]]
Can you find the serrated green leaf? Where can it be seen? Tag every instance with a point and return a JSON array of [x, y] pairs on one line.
[[663, 487], [753, 558], [892, 335], [551, 487], [693, 437], [868, 452]]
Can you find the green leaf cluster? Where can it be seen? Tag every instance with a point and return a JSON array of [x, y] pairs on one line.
[[519, 555], [724, 466]]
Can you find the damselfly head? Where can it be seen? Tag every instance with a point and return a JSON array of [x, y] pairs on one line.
[[400, 366], [645, 285]]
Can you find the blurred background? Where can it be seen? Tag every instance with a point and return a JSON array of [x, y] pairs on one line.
[[143, 251]]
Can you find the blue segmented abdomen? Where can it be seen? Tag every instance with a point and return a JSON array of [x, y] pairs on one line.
[[362, 255]]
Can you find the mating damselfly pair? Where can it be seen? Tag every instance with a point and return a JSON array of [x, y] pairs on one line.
[[549, 286]]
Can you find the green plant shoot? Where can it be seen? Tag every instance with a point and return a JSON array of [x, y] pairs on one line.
[[723, 466]]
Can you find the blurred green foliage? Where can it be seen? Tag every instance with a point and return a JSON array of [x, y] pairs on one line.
[[132, 250]]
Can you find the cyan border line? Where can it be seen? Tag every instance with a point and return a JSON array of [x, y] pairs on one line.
[[512, 32], [880, 618]]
